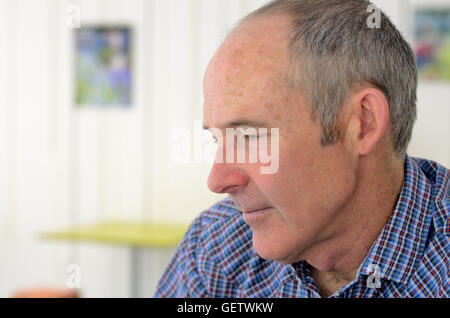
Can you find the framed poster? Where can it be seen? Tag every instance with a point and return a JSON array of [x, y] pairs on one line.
[[103, 72], [432, 42]]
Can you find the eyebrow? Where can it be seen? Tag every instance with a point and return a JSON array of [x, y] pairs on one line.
[[242, 122]]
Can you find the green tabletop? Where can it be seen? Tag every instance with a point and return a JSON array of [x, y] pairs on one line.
[[140, 234]]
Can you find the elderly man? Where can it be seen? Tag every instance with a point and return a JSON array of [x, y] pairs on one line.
[[347, 213]]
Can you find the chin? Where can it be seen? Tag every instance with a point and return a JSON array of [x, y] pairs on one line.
[[269, 249]]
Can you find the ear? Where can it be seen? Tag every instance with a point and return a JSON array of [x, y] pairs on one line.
[[367, 120]]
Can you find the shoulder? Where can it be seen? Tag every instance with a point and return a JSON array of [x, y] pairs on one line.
[[438, 177], [223, 240], [213, 256], [222, 211], [432, 276], [434, 268]]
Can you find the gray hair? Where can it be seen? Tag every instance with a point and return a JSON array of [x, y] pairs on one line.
[[333, 48]]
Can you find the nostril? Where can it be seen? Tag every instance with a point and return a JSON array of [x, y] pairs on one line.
[[230, 189]]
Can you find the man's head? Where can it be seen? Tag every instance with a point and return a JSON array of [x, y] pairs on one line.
[[343, 97]]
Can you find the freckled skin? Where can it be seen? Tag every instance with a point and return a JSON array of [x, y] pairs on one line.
[[317, 210]]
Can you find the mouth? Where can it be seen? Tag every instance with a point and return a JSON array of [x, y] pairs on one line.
[[253, 217]]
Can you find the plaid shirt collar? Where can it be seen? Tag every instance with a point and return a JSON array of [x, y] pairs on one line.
[[402, 242]]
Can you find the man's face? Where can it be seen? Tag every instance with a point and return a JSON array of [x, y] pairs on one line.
[[246, 82]]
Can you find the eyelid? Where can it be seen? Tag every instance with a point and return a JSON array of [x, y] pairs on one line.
[[215, 139], [245, 131]]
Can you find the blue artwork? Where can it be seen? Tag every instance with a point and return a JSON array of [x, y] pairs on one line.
[[432, 32], [103, 67]]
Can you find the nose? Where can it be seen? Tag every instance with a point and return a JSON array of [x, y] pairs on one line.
[[224, 178]]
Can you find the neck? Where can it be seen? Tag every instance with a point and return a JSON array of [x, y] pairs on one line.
[[334, 262]]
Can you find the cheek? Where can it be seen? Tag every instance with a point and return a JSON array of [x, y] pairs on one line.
[[309, 184]]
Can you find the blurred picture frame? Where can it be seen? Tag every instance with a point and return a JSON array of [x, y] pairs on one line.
[[431, 31], [103, 61]]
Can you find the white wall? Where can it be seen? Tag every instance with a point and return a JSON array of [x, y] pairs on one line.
[[431, 135], [61, 166]]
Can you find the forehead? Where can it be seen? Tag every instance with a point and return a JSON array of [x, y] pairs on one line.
[[247, 75]]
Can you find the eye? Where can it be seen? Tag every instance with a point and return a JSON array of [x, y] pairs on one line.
[[211, 137], [252, 137], [249, 133]]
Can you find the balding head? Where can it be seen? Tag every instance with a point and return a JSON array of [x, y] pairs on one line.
[[256, 50], [333, 46]]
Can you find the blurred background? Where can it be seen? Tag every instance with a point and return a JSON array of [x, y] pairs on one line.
[[88, 111]]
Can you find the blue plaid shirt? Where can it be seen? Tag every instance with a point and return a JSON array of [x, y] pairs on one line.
[[410, 257]]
